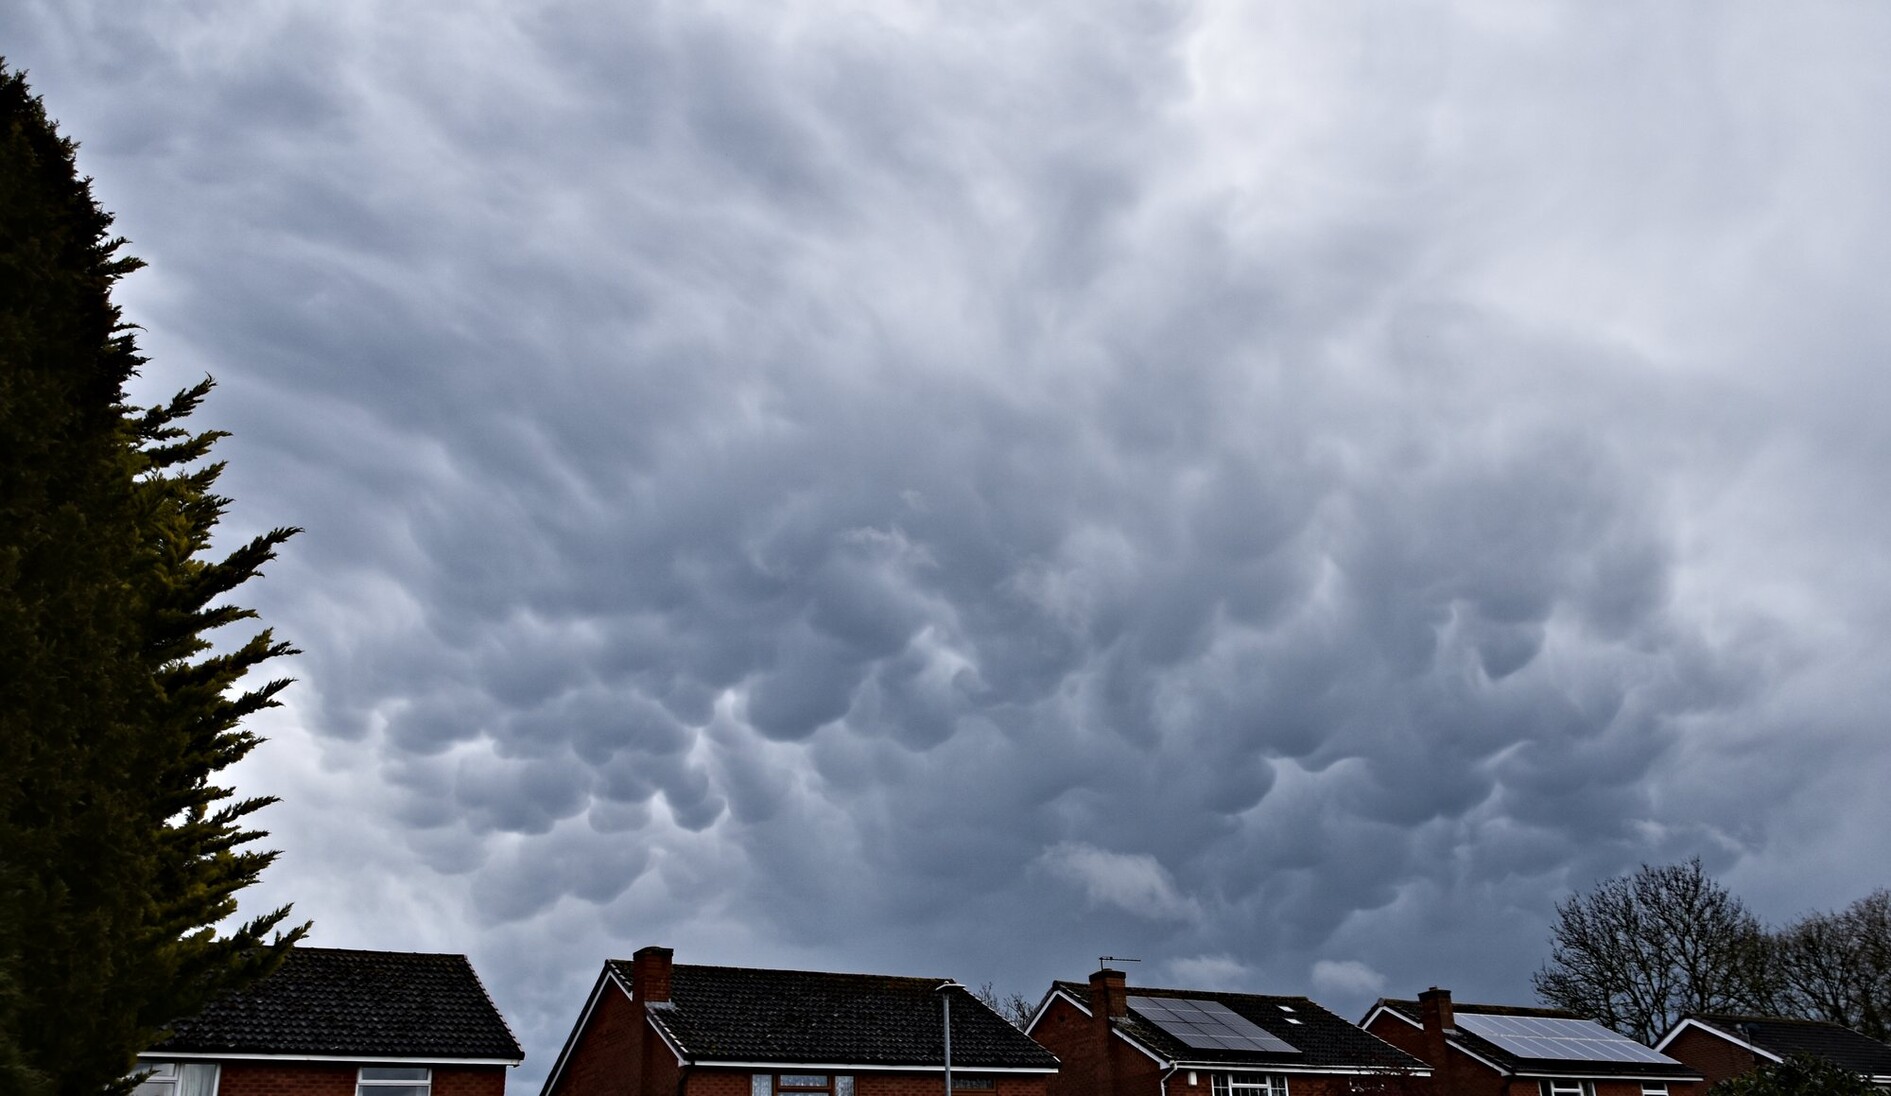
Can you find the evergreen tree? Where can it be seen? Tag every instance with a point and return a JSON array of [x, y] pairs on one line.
[[119, 855]]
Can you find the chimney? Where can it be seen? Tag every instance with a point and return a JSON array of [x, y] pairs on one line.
[[650, 974], [1109, 1000], [1434, 1009], [1109, 993]]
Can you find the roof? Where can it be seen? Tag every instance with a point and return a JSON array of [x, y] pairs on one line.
[[1782, 1037], [331, 1002], [742, 1014], [1517, 1064], [1323, 1040]]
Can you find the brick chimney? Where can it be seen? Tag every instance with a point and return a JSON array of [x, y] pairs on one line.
[[650, 974], [1109, 1001], [1434, 1009], [1109, 993]]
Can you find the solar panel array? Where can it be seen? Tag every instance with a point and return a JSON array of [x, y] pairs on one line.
[[1208, 1025], [1558, 1039]]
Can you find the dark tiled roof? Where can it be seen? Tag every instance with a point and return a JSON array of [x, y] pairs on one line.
[[739, 1014], [1491, 1052], [371, 1004], [1322, 1039], [1779, 1035]]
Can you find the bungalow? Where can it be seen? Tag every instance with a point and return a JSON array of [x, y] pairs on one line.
[[1115, 1041], [655, 1028], [1504, 1050], [1722, 1046], [334, 1022]]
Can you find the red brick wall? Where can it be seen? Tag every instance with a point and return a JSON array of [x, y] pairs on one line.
[[333, 1079], [728, 1082], [1712, 1055], [1068, 1033], [600, 1063]]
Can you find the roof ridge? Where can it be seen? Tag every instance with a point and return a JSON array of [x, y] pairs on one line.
[[304, 949], [798, 970]]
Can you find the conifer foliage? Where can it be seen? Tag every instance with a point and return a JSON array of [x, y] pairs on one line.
[[119, 853]]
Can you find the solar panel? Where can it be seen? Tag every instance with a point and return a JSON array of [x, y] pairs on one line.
[[1208, 1025], [1559, 1039]]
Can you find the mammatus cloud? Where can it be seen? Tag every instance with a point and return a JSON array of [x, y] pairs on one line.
[[1134, 882], [1279, 492], [1347, 978]]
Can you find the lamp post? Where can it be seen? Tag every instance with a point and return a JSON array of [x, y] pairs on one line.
[[944, 990]]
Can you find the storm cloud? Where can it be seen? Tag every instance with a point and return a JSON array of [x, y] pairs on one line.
[[1279, 491]]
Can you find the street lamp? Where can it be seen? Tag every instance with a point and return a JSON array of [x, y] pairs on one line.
[[944, 990]]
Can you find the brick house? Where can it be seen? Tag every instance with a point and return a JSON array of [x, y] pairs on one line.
[[332, 1022], [1503, 1050], [655, 1028], [1722, 1046], [1118, 1041]]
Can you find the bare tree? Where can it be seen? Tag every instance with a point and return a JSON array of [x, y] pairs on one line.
[[1639, 951], [1015, 1007], [1837, 966]]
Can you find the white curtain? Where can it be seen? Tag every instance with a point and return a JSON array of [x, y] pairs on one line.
[[196, 1079]]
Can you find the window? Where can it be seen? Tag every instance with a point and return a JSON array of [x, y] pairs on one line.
[[177, 1079], [960, 1083], [1249, 1084], [1654, 1088], [793, 1084], [1569, 1088], [394, 1081]]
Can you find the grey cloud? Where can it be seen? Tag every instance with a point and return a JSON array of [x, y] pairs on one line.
[[1252, 487]]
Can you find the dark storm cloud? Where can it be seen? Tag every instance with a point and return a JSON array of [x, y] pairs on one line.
[[1277, 491]]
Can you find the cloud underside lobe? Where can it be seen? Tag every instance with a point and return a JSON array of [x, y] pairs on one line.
[[1226, 483]]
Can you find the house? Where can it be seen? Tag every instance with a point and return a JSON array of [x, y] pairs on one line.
[[1722, 1046], [1118, 1041], [1503, 1050], [333, 1022], [652, 1027]]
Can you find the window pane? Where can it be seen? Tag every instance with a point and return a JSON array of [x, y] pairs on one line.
[[394, 1073], [804, 1080], [762, 1084], [366, 1089], [843, 1086], [197, 1079]]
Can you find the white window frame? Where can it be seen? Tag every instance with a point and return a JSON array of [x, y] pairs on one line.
[[1247, 1084], [167, 1078], [368, 1086], [1562, 1087], [1654, 1088], [769, 1084]]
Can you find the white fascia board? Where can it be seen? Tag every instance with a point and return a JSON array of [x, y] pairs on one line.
[[1388, 1010], [1724, 1036], [1476, 1057], [606, 977], [1546, 1075], [878, 1067], [663, 1033], [1150, 1054], [1291, 1067], [1044, 1006], [229, 1056]]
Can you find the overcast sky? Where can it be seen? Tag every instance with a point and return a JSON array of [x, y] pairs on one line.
[[1284, 491]]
